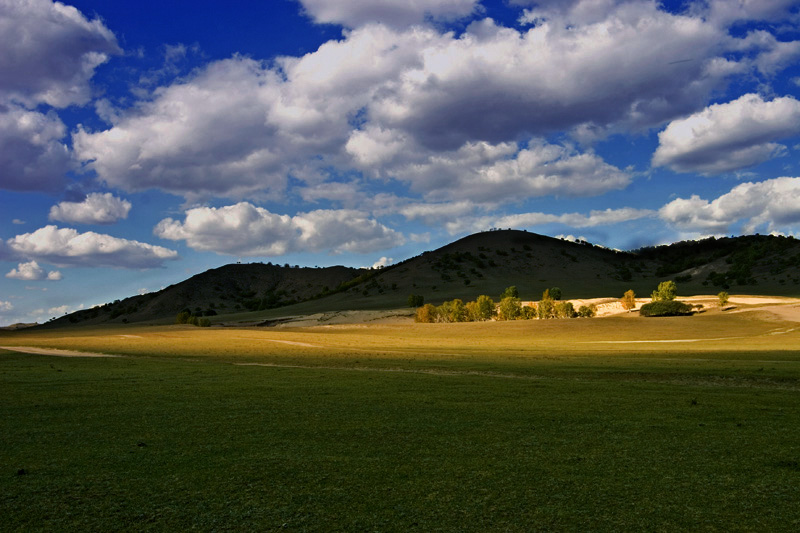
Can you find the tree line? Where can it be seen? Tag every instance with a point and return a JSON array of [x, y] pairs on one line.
[[509, 307]]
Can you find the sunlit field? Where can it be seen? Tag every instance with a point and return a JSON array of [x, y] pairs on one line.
[[621, 423]]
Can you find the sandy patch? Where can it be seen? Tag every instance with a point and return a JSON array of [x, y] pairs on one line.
[[130, 336], [55, 352]]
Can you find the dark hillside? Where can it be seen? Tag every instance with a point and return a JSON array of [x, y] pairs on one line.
[[227, 289], [483, 263]]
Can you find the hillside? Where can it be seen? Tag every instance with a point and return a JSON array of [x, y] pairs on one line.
[[483, 263]]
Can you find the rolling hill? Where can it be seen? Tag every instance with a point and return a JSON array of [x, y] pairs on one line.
[[483, 263]]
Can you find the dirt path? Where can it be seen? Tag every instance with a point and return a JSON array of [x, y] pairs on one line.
[[54, 351]]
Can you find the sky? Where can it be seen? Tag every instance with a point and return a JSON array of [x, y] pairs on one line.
[[145, 142]]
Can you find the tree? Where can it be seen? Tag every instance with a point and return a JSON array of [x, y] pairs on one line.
[[483, 308], [529, 312], [183, 317], [565, 310], [666, 292], [510, 308], [628, 300], [723, 298], [555, 293], [415, 300], [546, 306], [587, 311], [425, 314], [510, 291], [456, 311]]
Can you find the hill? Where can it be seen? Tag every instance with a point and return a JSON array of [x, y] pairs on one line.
[[483, 263]]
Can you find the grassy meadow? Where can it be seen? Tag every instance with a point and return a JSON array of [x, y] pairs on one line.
[[609, 424]]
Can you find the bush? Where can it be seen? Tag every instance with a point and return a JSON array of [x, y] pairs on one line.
[[565, 310], [723, 298], [426, 314], [666, 308], [546, 307], [587, 311], [204, 322]]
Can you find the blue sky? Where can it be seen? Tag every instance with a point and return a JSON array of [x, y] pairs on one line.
[[144, 142]]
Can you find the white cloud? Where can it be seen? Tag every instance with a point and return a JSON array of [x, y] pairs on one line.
[[31, 271], [353, 13], [246, 230], [203, 136], [50, 51], [5, 306], [18, 222], [728, 137], [482, 172], [96, 208], [456, 220], [725, 12], [32, 156], [383, 262], [65, 246], [774, 204], [402, 103]]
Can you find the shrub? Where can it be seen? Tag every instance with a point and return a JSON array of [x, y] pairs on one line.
[[723, 298], [565, 310], [510, 291], [587, 311], [183, 317], [666, 308], [628, 300], [204, 322]]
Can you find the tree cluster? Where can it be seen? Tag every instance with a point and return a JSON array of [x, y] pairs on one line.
[[186, 317], [508, 308]]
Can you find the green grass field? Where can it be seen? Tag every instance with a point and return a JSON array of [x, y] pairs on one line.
[[583, 425]]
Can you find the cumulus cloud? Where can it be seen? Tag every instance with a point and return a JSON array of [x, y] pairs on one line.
[[246, 230], [96, 208], [353, 13], [774, 204], [68, 247], [490, 173], [31, 271], [730, 136], [32, 156], [5, 306], [50, 52], [528, 220], [400, 103]]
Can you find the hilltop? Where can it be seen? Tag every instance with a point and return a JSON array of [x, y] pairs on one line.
[[483, 263]]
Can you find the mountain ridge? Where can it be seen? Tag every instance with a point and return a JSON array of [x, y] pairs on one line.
[[481, 263]]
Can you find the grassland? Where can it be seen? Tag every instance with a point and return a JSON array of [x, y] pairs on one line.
[[604, 425]]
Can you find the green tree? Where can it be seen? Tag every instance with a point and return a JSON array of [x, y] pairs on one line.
[[456, 311], [183, 317], [510, 308], [723, 298], [510, 291], [666, 292], [565, 310], [555, 293], [415, 300], [483, 308], [546, 307], [628, 300], [587, 311]]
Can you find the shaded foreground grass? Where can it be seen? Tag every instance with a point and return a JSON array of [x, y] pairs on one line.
[[487, 431]]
